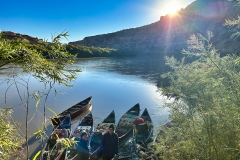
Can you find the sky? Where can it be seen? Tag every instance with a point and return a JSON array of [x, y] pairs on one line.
[[81, 18]]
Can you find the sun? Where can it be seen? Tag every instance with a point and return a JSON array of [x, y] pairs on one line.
[[172, 7]]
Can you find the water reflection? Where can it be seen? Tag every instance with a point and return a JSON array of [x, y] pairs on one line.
[[146, 67], [114, 83]]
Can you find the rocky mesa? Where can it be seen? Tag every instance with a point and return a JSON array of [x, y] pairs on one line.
[[14, 36], [170, 33]]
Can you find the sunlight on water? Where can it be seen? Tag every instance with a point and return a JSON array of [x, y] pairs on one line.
[[114, 85]]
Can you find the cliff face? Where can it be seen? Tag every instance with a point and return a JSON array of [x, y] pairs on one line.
[[14, 36], [169, 34]]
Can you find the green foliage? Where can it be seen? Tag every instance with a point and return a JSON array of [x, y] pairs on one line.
[[47, 61], [236, 1], [84, 51], [10, 141], [50, 63], [234, 22], [206, 111]]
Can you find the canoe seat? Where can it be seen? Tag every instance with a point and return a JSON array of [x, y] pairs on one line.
[[134, 113], [83, 103], [72, 109], [143, 129], [88, 120], [139, 138], [77, 106]]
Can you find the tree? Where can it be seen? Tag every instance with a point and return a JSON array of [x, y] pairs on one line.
[[50, 63], [206, 109], [10, 141], [205, 112]]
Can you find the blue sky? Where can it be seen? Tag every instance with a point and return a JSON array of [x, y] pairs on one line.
[[81, 18]]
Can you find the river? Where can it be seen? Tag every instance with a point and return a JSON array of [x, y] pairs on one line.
[[114, 83]]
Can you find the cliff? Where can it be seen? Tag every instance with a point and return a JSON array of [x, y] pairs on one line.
[[169, 34], [14, 36]]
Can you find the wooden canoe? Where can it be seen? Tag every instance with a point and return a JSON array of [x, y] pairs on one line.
[[126, 122], [101, 129], [139, 138], [73, 111], [54, 147], [85, 125]]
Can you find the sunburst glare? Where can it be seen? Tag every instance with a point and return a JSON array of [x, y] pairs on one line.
[[172, 7]]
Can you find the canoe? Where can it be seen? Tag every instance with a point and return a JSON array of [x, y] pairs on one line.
[[126, 122], [102, 128], [140, 138], [74, 111], [54, 147], [85, 125]]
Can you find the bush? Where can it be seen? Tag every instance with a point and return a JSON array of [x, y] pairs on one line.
[[206, 112]]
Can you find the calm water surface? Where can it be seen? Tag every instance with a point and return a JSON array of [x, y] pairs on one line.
[[115, 84]]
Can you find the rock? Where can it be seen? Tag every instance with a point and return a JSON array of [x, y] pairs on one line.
[[14, 36], [169, 34]]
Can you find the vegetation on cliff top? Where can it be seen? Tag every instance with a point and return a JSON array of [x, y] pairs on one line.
[[80, 51], [85, 51]]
